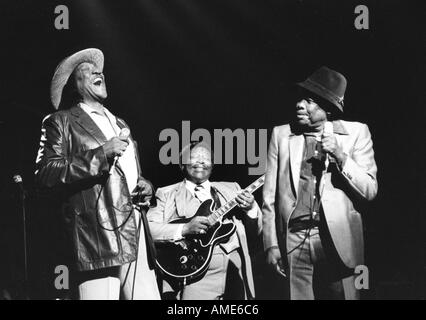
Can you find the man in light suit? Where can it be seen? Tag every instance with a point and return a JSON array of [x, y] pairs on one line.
[[319, 170], [229, 275]]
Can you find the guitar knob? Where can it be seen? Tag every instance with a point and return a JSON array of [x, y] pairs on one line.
[[200, 258], [190, 257], [194, 267], [183, 259]]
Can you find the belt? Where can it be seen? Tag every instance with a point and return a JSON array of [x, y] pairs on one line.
[[302, 224]]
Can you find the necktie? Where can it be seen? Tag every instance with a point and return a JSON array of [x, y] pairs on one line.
[[200, 193]]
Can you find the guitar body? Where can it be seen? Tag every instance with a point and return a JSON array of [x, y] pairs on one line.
[[187, 260]]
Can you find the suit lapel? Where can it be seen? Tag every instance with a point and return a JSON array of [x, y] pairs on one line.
[[338, 128], [296, 144], [182, 199], [120, 123], [84, 120], [220, 192]]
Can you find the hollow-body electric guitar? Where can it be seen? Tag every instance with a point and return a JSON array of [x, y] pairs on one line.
[[187, 260]]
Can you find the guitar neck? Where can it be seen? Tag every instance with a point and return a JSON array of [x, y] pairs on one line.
[[223, 210]]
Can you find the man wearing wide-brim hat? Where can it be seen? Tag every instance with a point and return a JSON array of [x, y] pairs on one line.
[[319, 170], [89, 160]]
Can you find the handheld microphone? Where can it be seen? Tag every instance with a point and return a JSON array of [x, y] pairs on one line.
[[124, 133], [328, 127], [18, 180]]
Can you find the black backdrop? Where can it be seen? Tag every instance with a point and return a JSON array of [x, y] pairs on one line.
[[229, 64]]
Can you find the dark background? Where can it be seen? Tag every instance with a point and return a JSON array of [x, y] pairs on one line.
[[224, 64]]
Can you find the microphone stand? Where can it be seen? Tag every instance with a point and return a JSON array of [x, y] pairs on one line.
[[23, 197], [24, 229]]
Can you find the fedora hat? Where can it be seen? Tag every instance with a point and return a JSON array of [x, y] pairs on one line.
[[66, 67], [328, 84]]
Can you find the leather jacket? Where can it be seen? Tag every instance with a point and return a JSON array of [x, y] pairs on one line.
[[96, 207]]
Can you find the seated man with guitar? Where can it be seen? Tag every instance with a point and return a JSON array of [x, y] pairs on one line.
[[201, 239]]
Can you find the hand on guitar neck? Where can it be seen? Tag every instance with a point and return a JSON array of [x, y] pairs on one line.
[[198, 225], [245, 200]]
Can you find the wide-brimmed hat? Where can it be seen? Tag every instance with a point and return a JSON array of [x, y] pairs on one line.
[[328, 84], [66, 67]]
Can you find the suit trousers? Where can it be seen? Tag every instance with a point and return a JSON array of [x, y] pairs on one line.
[[124, 281], [314, 271], [222, 281]]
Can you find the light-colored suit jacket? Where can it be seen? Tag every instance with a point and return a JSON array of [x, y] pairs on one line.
[[343, 188], [176, 202]]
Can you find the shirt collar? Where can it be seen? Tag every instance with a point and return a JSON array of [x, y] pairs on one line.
[[90, 110], [338, 128], [191, 185], [312, 134]]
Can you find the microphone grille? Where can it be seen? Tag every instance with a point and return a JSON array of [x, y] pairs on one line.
[[328, 127], [17, 178], [125, 133]]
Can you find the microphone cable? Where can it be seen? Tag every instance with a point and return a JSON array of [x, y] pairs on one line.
[[328, 128], [123, 211], [125, 132]]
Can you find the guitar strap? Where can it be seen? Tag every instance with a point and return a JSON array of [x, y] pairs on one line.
[[215, 198], [217, 203]]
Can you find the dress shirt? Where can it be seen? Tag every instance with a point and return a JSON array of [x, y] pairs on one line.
[[107, 123]]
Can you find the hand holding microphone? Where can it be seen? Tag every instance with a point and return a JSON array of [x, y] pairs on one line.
[[329, 143], [116, 146]]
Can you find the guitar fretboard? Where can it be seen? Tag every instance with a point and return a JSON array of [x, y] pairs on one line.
[[223, 210]]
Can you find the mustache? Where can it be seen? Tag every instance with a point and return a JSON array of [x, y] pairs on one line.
[[200, 165]]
